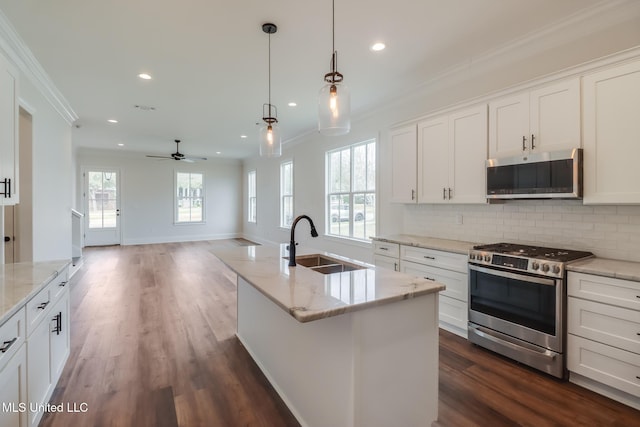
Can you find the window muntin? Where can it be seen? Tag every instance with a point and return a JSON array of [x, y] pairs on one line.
[[252, 197], [351, 195], [286, 194], [189, 206]]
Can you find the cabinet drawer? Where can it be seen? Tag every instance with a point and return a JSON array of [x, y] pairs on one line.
[[623, 293], [440, 259], [39, 306], [12, 333], [457, 283], [611, 366], [386, 249], [61, 283], [453, 312], [616, 326]]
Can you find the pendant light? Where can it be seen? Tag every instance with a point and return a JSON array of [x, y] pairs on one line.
[[270, 140], [334, 99]]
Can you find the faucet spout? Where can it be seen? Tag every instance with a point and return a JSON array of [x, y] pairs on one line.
[[292, 243]]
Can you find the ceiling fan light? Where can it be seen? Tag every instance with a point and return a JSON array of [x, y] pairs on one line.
[[334, 106]]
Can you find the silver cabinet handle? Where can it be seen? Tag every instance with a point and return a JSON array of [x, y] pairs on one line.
[[449, 193], [384, 249], [533, 145], [524, 142], [430, 278], [7, 345], [413, 194], [444, 193]]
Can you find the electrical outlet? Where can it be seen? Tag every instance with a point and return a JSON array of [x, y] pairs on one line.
[[459, 219]]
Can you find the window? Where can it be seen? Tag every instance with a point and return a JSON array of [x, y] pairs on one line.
[[189, 197], [251, 191], [286, 194], [351, 194]]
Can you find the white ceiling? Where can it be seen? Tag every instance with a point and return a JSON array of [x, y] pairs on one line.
[[208, 60]]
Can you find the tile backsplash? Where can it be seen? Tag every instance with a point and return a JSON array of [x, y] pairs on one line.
[[607, 231]]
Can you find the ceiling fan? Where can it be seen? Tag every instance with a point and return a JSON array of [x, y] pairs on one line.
[[179, 156]]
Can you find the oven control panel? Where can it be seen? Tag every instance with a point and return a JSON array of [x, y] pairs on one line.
[[538, 267]]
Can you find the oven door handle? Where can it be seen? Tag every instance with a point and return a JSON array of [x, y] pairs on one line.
[[482, 332], [493, 272]]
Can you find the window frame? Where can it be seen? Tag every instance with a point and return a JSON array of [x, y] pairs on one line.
[[351, 193], [252, 196], [283, 196], [177, 198]]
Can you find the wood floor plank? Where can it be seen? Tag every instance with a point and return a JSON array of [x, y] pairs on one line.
[[153, 344]]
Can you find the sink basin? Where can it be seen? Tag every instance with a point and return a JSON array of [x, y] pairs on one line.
[[325, 264]]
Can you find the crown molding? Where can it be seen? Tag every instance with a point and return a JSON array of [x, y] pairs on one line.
[[20, 54]]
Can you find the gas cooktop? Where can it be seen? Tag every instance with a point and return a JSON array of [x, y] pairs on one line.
[[533, 259]]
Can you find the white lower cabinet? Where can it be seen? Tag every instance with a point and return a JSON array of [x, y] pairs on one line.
[[603, 351], [34, 349], [449, 269], [386, 255], [13, 390]]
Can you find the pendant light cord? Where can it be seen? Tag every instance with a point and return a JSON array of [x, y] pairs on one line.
[[269, 74]]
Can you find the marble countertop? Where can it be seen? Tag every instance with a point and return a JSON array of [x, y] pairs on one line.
[[627, 270], [21, 281], [309, 295], [455, 246]]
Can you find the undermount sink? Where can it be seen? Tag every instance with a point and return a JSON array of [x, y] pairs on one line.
[[325, 264]]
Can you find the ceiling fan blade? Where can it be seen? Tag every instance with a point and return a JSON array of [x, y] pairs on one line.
[[192, 158], [159, 157], [188, 160]]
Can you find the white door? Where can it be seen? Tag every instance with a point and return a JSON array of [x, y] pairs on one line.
[[102, 207]]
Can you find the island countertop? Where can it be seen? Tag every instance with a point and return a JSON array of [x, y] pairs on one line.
[[308, 295], [21, 281]]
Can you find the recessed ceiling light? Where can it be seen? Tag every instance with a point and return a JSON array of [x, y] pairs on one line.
[[217, 152], [144, 76], [112, 121], [292, 104], [120, 144], [243, 136], [376, 47]]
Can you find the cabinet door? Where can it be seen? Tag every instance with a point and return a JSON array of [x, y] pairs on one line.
[[433, 160], [13, 391], [508, 124], [555, 117], [8, 131], [403, 165], [467, 155], [39, 378], [59, 333], [386, 262], [611, 102]]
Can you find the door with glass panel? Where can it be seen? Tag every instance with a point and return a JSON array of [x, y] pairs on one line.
[[102, 207]]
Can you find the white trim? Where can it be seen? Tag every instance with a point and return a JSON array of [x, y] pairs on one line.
[[20, 54], [179, 239]]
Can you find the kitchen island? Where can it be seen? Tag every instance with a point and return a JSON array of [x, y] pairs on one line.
[[353, 348]]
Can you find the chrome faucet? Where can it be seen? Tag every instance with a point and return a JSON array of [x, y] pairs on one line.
[[292, 243]]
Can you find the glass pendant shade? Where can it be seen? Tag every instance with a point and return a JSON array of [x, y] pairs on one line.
[[334, 109], [270, 141]]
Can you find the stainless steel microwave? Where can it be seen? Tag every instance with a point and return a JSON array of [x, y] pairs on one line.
[[549, 175]]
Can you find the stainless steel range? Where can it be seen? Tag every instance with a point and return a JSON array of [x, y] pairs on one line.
[[517, 302]]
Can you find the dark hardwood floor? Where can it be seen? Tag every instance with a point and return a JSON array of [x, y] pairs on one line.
[[153, 344]]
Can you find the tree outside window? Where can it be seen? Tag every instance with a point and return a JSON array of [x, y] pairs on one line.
[[189, 197], [351, 191]]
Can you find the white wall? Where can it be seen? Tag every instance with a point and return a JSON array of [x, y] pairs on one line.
[[147, 196], [52, 176], [524, 60]]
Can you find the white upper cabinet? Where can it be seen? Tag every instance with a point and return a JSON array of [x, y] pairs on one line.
[[544, 119], [8, 133], [611, 130], [403, 165], [452, 151], [433, 160]]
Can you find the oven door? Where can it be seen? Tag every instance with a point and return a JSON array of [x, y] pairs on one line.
[[526, 307]]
